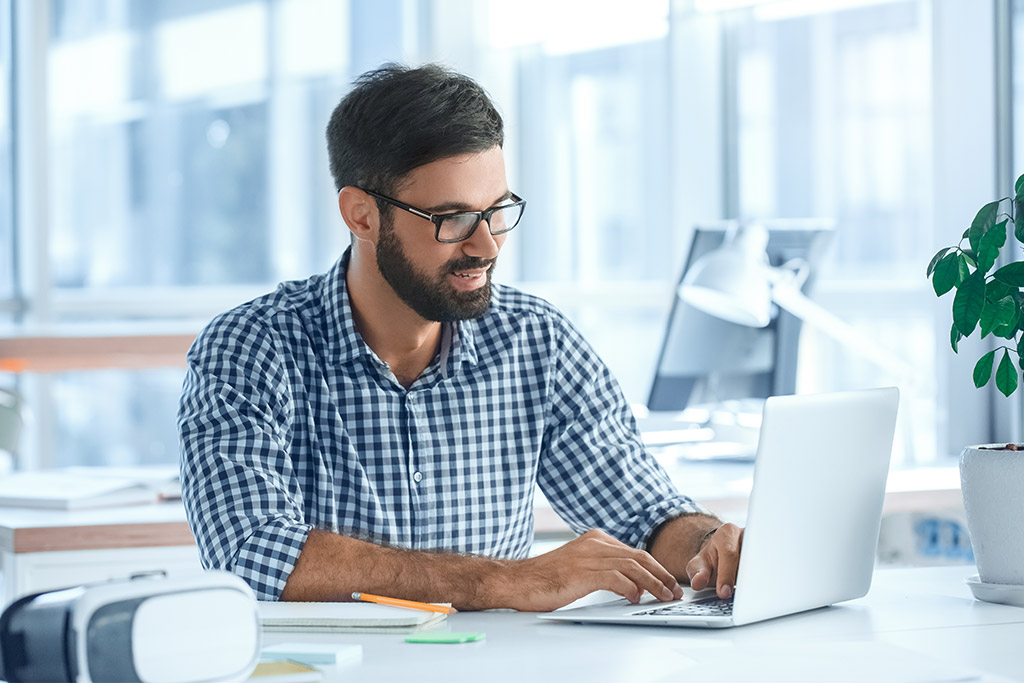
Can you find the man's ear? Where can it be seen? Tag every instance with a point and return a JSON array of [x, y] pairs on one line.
[[359, 211]]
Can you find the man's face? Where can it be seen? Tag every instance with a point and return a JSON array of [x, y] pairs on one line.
[[444, 282]]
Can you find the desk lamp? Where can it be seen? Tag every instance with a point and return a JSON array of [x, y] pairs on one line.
[[736, 282]]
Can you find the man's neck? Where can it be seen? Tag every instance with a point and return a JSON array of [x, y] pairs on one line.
[[396, 333]]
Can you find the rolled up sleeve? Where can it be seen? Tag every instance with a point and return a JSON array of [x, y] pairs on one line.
[[241, 497]]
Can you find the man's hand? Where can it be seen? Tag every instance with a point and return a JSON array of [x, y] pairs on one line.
[[716, 561], [593, 561]]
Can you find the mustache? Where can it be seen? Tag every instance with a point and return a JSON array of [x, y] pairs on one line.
[[468, 263]]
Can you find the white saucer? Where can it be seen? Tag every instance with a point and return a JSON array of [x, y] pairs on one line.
[[1004, 594]]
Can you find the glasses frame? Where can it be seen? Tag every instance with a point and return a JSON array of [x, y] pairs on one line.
[[438, 218]]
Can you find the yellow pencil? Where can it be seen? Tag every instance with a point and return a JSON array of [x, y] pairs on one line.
[[397, 602]]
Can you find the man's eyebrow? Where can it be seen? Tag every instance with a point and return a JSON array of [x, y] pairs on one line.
[[449, 207]]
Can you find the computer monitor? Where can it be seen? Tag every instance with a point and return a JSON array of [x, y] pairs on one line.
[[705, 360]]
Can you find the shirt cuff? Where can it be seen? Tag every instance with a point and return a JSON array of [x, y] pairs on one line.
[[266, 559]]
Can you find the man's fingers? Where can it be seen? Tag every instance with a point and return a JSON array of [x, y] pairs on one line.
[[642, 578], [672, 589], [621, 584], [728, 555], [698, 572], [641, 566]]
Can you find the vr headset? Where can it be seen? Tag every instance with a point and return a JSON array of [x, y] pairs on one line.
[[147, 629]]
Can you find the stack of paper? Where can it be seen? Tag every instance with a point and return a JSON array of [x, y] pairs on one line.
[[76, 488], [343, 617]]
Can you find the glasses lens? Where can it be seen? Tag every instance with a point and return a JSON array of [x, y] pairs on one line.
[[506, 218], [457, 226]]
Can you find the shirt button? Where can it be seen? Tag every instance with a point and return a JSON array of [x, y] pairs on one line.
[[417, 477]]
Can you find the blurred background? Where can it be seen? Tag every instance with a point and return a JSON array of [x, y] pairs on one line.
[[164, 160]]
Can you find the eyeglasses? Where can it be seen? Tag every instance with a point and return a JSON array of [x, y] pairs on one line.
[[459, 226]]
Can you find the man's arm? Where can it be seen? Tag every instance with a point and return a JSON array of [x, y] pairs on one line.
[[332, 567], [699, 549]]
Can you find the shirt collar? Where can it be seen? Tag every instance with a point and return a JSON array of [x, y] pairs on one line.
[[344, 343], [343, 340]]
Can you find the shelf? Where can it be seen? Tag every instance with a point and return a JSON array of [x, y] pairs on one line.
[[93, 349]]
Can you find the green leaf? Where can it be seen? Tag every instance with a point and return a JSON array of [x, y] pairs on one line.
[[1006, 375], [1018, 187], [1008, 330], [1020, 353], [981, 224], [983, 369], [969, 256], [997, 314], [996, 290], [1018, 228], [946, 274], [991, 242], [955, 337], [1012, 274], [968, 303], [935, 259], [962, 269], [1018, 296]]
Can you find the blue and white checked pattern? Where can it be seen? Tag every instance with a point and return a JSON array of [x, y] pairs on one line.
[[289, 422]]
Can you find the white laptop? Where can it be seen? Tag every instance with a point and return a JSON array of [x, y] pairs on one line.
[[812, 520]]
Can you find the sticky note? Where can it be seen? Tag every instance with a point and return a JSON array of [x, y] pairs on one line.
[[285, 672], [314, 653]]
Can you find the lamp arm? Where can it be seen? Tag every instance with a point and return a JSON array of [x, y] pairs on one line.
[[793, 300]]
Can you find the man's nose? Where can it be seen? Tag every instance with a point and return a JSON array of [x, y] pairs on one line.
[[481, 244]]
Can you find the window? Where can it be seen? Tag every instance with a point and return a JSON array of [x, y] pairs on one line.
[[6, 164], [186, 170], [208, 122], [834, 120]]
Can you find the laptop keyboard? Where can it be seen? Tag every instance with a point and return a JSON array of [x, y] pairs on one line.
[[711, 607]]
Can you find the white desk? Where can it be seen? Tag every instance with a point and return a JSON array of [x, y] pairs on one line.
[[925, 619], [45, 549]]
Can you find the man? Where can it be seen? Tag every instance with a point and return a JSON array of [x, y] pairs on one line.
[[382, 428]]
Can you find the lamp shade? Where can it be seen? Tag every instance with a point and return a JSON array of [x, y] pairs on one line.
[[733, 281]]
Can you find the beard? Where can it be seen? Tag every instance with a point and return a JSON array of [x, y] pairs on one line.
[[431, 296]]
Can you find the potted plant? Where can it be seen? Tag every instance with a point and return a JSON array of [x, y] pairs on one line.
[[988, 300]]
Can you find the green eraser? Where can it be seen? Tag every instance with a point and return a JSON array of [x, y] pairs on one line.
[[442, 637]]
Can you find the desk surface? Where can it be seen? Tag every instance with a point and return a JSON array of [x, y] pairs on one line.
[[919, 624]]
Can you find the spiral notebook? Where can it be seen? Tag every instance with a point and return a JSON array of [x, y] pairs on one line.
[[343, 617]]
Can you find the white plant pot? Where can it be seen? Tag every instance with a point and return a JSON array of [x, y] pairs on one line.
[[992, 482]]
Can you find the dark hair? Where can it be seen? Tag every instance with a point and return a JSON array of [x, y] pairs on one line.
[[397, 118]]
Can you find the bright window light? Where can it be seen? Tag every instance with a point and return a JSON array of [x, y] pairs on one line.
[[89, 75], [768, 10], [314, 37], [790, 9], [572, 26], [724, 5], [214, 50]]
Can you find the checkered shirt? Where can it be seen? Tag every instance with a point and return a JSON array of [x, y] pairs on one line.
[[289, 422]]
